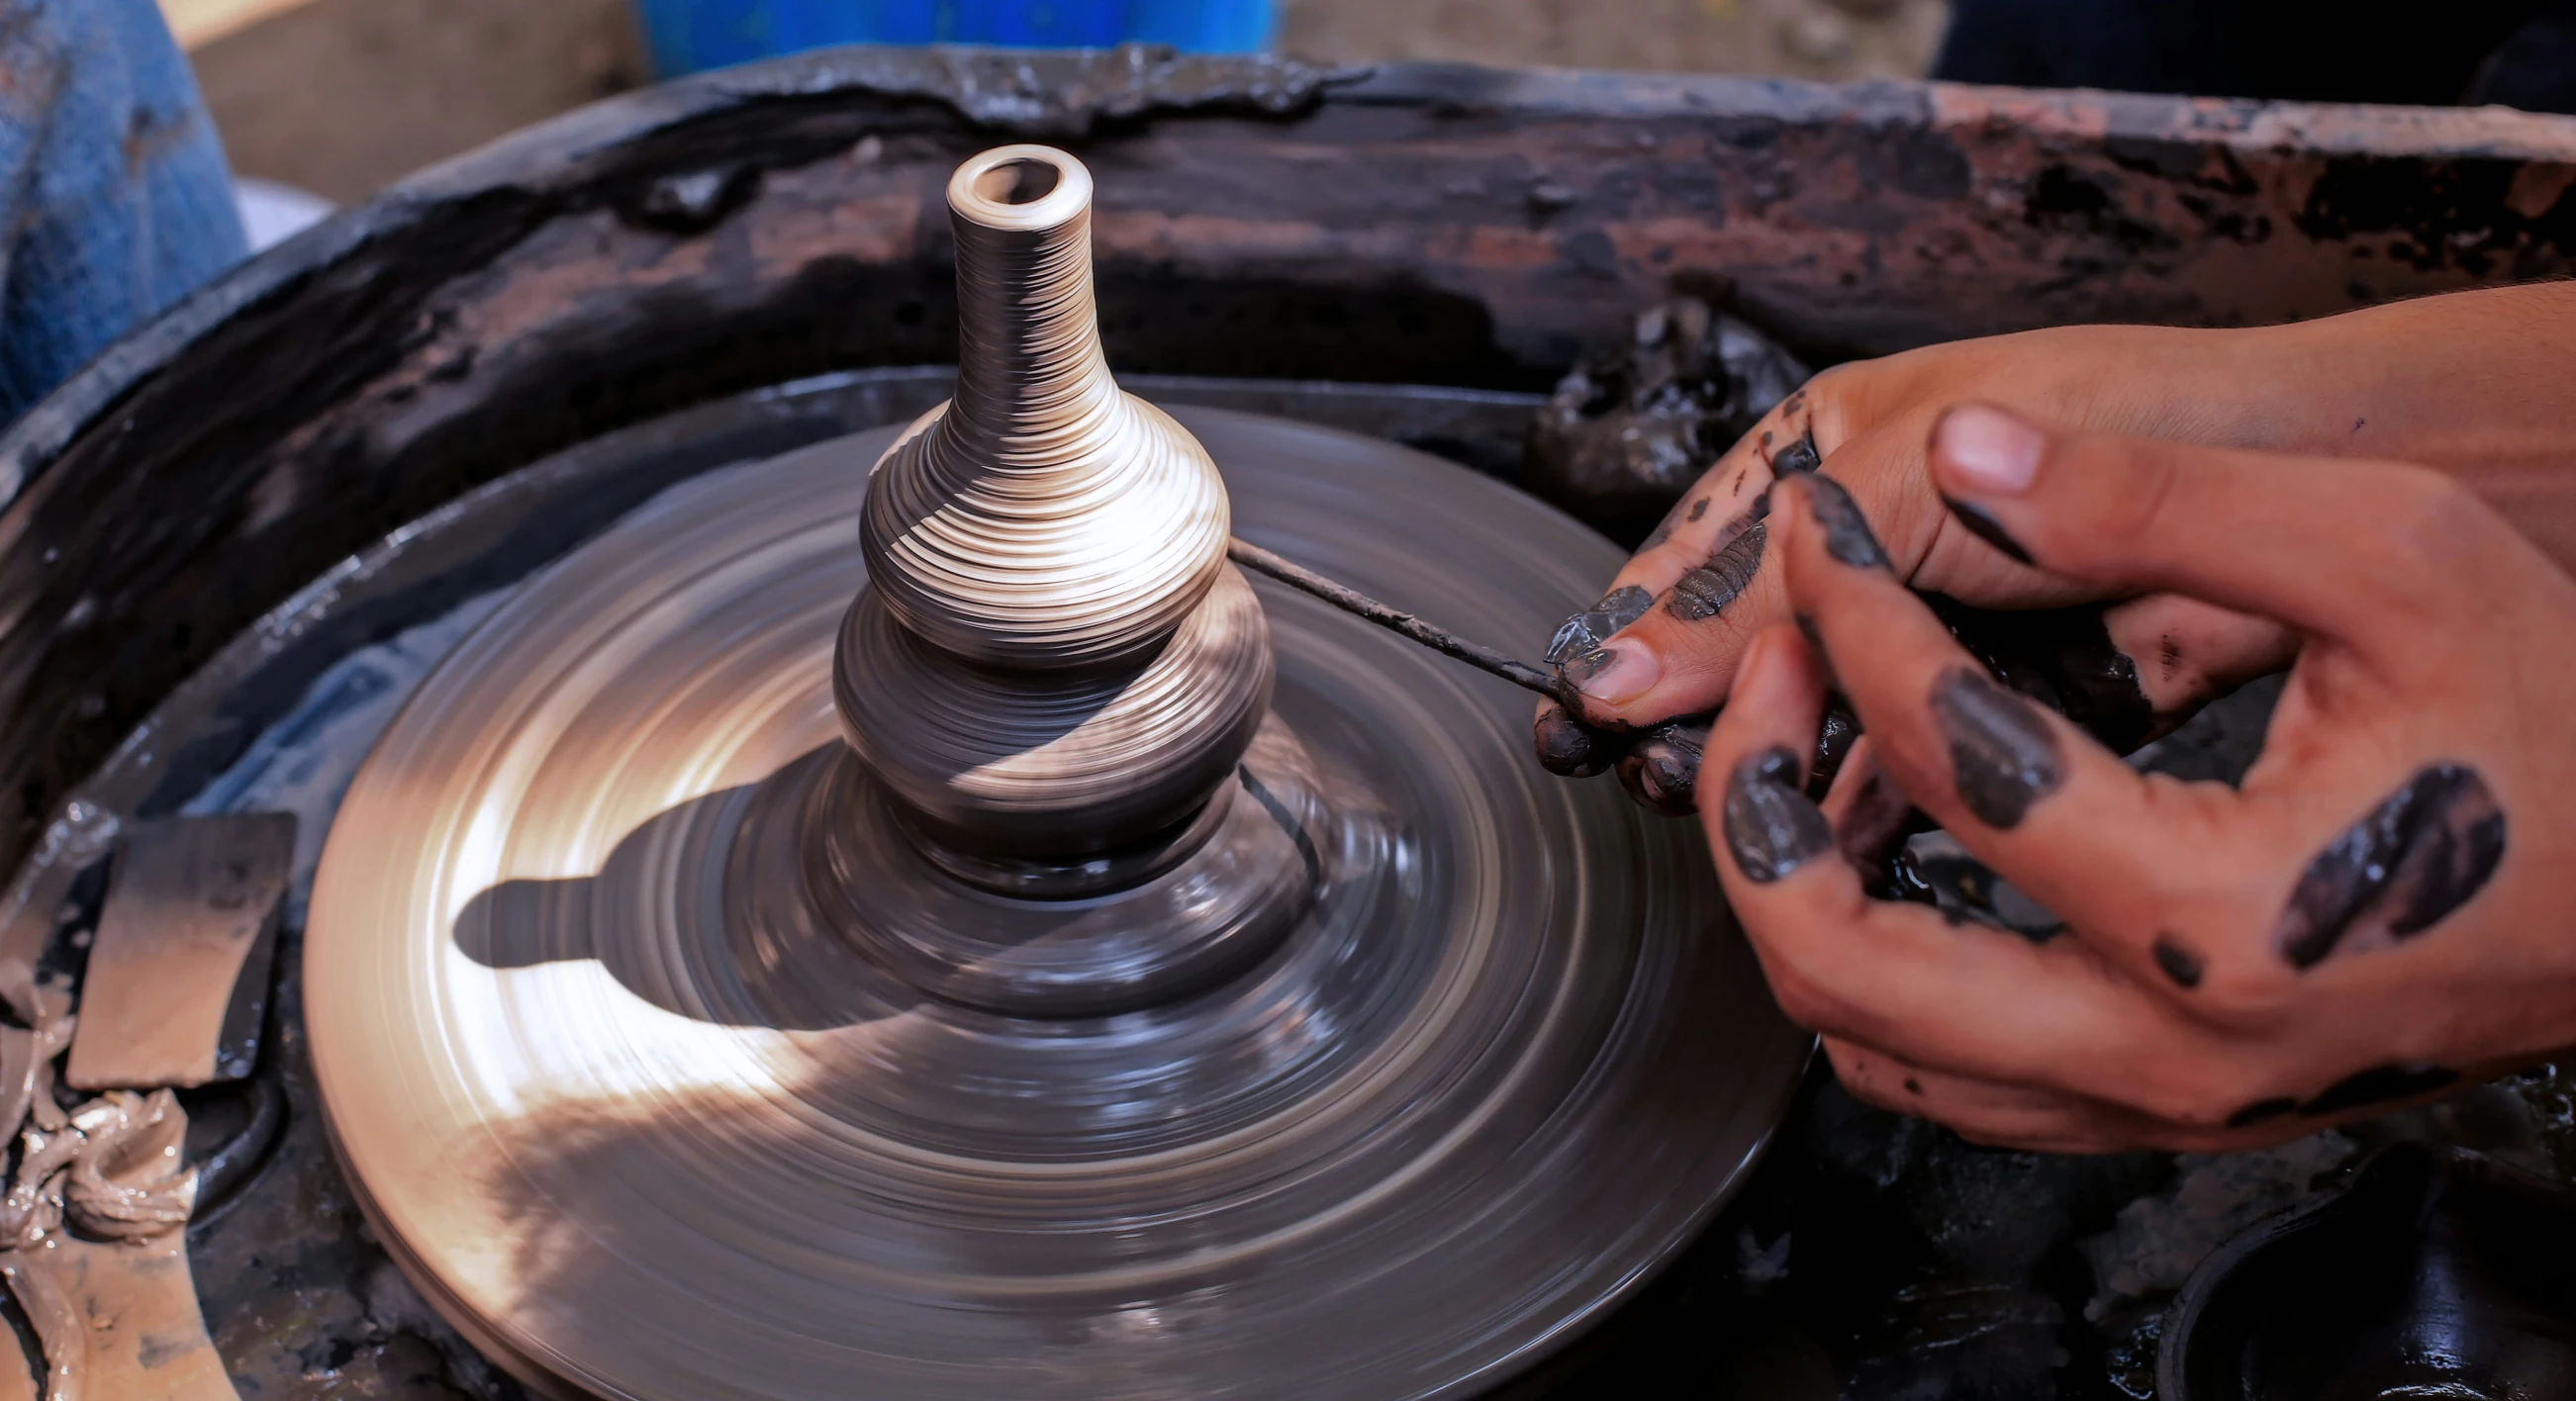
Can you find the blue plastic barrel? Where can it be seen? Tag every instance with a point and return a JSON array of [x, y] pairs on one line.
[[688, 35]]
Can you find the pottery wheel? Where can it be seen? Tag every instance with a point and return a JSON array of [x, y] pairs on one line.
[[642, 1127]]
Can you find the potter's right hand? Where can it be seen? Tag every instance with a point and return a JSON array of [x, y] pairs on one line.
[[2465, 383], [2376, 913], [1664, 641]]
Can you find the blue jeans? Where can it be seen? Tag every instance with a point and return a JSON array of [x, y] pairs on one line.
[[114, 197]]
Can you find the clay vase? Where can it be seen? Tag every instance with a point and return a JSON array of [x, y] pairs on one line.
[[1052, 660]]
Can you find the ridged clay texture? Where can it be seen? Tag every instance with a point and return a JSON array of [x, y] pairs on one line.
[[1045, 518], [1036, 764], [1052, 657]]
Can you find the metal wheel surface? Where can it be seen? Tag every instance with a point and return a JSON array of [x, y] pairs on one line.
[[646, 1121]]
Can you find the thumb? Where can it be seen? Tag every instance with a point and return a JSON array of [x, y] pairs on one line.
[[2349, 550]]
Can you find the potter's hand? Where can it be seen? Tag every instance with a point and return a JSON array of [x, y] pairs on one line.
[[2472, 384], [1665, 641], [2380, 912]]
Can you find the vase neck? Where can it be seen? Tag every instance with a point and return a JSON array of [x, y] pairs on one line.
[[1030, 374]]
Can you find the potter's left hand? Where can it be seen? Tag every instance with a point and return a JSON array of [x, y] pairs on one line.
[[2379, 913]]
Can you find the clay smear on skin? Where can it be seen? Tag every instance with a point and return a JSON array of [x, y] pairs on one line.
[[2426, 850], [1705, 591], [1771, 828], [2004, 755], [1847, 534]]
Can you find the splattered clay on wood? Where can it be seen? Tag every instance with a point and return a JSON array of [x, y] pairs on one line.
[[1628, 428]]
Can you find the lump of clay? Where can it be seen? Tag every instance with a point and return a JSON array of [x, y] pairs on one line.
[[1628, 430]]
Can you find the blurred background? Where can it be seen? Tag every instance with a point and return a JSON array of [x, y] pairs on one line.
[[340, 97]]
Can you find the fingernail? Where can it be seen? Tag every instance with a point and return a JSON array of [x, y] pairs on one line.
[[1671, 775], [1569, 748], [1771, 827], [1588, 629], [1614, 675], [1800, 456], [1982, 524], [1847, 533], [1632, 776], [1993, 452]]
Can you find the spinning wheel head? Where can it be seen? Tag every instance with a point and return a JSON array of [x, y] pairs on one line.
[[1267, 1026]]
